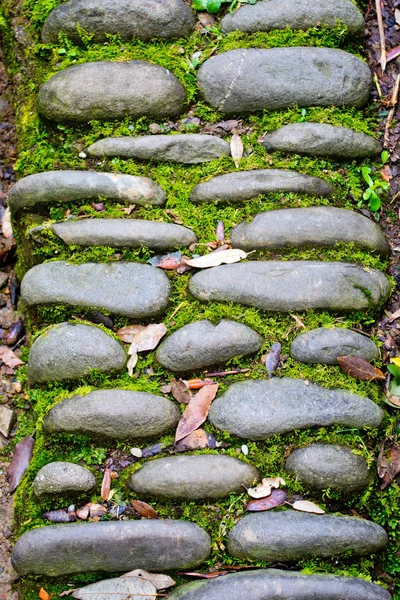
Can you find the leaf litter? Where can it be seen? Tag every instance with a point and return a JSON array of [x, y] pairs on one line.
[[196, 411], [159, 580], [119, 588], [264, 489], [216, 258], [359, 368], [144, 509], [20, 461], [276, 498], [141, 339], [388, 468]]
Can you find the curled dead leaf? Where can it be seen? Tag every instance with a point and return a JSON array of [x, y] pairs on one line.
[[144, 509], [359, 368], [264, 489], [196, 440]]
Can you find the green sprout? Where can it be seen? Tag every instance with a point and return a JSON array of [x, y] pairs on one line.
[[375, 186], [213, 6]]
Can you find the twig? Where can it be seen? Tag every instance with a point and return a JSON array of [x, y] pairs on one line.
[[378, 87], [382, 39], [224, 373], [393, 103], [176, 310]]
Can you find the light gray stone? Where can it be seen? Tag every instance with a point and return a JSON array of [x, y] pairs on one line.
[[322, 466], [3, 279], [259, 409], [324, 346], [115, 414], [131, 289], [202, 344], [153, 545], [142, 19], [6, 420], [69, 351], [189, 148], [63, 477], [245, 185], [250, 80], [111, 90], [193, 477], [283, 286], [316, 225]]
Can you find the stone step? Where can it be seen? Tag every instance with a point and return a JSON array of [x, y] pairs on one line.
[[142, 19], [245, 185], [63, 478], [286, 286], [316, 225], [153, 545], [134, 290], [189, 148], [111, 90], [69, 351], [70, 186], [113, 413], [194, 477], [259, 409], [245, 81]]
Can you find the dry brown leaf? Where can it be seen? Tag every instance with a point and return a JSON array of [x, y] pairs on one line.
[[264, 489], [129, 209], [196, 411], [273, 358], [9, 357], [43, 595], [388, 469], [392, 400], [211, 575], [106, 485], [394, 316], [386, 173], [149, 337], [236, 149], [197, 440], [277, 498], [120, 588], [307, 506], [144, 509], [20, 461], [159, 580], [214, 259], [220, 231], [299, 322], [126, 334], [96, 510], [83, 512], [197, 384], [6, 227], [180, 391], [359, 368]]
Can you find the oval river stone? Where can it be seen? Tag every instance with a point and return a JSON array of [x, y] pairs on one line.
[[63, 477], [257, 410], [154, 545], [115, 414]]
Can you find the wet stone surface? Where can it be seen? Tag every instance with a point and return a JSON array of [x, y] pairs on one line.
[[61, 478]]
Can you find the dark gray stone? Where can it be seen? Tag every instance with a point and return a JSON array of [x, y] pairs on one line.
[[69, 186], [69, 351], [245, 185], [125, 288], [111, 90], [316, 225], [116, 414], [292, 535], [153, 545], [321, 139], [280, 585], [324, 346], [142, 19], [189, 148], [193, 477], [254, 79], [202, 344], [258, 410], [63, 477], [283, 286], [322, 466]]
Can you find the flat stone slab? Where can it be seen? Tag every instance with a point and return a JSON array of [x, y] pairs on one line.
[[245, 185], [275, 584], [291, 535], [189, 148], [115, 414], [283, 286], [303, 14], [193, 477], [322, 466], [316, 225], [69, 186], [257, 410], [130, 289], [321, 139], [69, 351], [250, 80], [131, 233], [153, 545], [202, 344], [108, 90], [142, 19], [324, 346], [63, 477]]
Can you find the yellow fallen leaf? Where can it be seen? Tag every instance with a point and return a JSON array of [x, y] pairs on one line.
[[396, 361]]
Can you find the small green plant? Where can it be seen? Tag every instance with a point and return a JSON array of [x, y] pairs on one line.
[[213, 6], [394, 369], [375, 186]]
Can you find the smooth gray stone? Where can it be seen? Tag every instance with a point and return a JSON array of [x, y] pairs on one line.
[[202, 344], [283, 286], [131, 289], [249, 80], [322, 466], [291, 535], [115, 414], [193, 477], [69, 351], [316, 225], [141, 19], [323, 346], [189, 148], [153, 545], [257, 410], [245, 185], [108, 90], [274, 584], [63, 477], [302, 14], [321, 139], [131, 233], [69, 186]]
